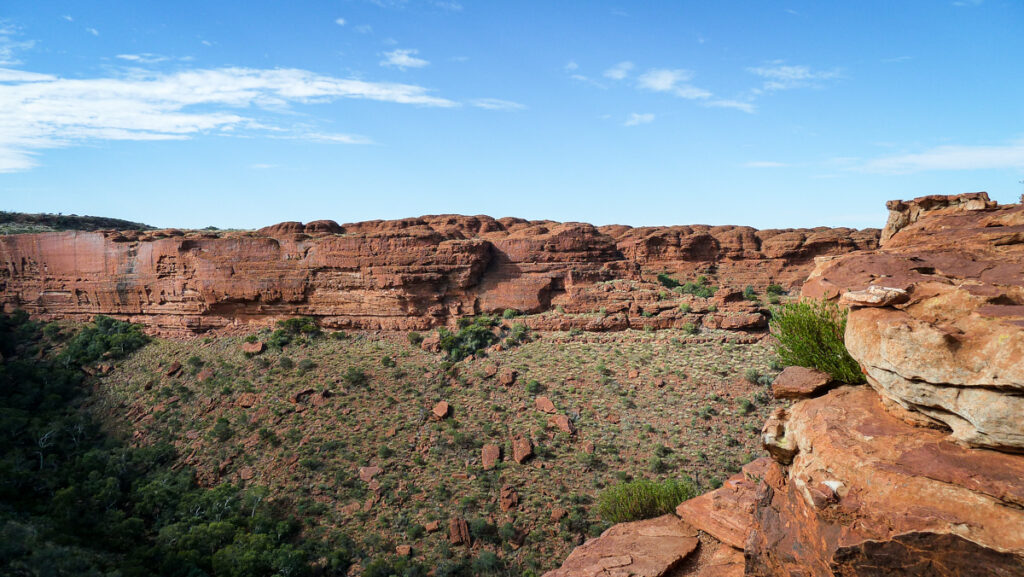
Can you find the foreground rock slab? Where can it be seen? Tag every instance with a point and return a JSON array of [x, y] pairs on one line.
[[649, 548], [867, 491]]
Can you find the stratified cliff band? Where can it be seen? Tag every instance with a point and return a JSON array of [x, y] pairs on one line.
[[405, 274]]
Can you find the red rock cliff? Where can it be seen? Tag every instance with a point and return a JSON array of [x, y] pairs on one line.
[[405, 274], [921, 471]]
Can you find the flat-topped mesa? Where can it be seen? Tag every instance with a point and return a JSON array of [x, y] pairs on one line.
[[407, 274]]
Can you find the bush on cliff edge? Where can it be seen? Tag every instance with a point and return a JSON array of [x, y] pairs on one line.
[[809, 334], [643, 499]]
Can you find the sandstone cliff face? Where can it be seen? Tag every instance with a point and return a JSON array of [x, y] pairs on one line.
[[919, 473], [400, 275]]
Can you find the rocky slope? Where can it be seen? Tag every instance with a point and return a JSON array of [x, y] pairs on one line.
[[918, 473], [405, 274]]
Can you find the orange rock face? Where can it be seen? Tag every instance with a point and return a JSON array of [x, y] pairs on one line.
[[397, 275], [951, 348]]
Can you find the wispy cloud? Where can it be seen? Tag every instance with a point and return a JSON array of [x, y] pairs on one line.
[[968, 2], [496, 104], [780, 76], [145, 58], [93, 31], [571, 66], [675, 82], [41, 111], [339, 21], [950, 157], [765, 164], [10, 45], [403, 58], [635, 119], [620, 71], [743, 105]]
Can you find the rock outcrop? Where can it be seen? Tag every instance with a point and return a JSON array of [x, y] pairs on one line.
[[920, 471], [409, 274], [951, 351]]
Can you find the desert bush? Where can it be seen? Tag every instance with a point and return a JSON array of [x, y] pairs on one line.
[[667, 281], [415, 338], [690, 328], [510, 314], [299, 325], [809, 334], [474, 335], [699, 288], [355, 377], [749, 293], [775, 289], [752, 375], [643, 499]]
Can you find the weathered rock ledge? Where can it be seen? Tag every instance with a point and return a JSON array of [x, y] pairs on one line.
[[919, 473], [407, 274]]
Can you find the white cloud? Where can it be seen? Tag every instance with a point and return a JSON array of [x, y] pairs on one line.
[[635, 119], [41, 111], [496, 104], [951, 157], [364, 29], [93, 31], [339, 21], [968, 2], [337, 138], [403, 58], [765, 164], [673, 82], [570, 66], [145, 58], [619, 71], [68, 18], [780, 76], [743, 105]]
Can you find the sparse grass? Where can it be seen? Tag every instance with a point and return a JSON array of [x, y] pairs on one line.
[[643, 499]]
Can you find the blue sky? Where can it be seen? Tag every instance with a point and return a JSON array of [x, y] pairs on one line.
[[767, 113]]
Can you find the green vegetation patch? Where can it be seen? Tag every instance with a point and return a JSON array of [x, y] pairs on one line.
[[643, 499], [810, 334]]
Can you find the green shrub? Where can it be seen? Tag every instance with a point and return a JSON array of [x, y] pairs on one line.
[[510, 314], [667, 281], [775, 290], [533, 387], [643, 499], [684, 308], [415, 338], [286, 363], [299, 325], [752, 375], [355, 377], [474, 335], [809, 334], [749, 293], [699, 288], [690, 328]]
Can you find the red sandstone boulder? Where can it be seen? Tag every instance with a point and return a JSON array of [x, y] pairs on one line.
[[545, 405], [440, 410], [508, 498], [562, 423], [727, 513], [522, 449], [489, 456], [253, 348], [458, 532], [650, 548], [799, 383], [507, 377]]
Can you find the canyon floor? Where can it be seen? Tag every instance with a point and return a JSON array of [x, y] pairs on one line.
[[341, 428]]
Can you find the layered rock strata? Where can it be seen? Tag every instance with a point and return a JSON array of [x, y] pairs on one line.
[[406, 274], [920, 472]]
